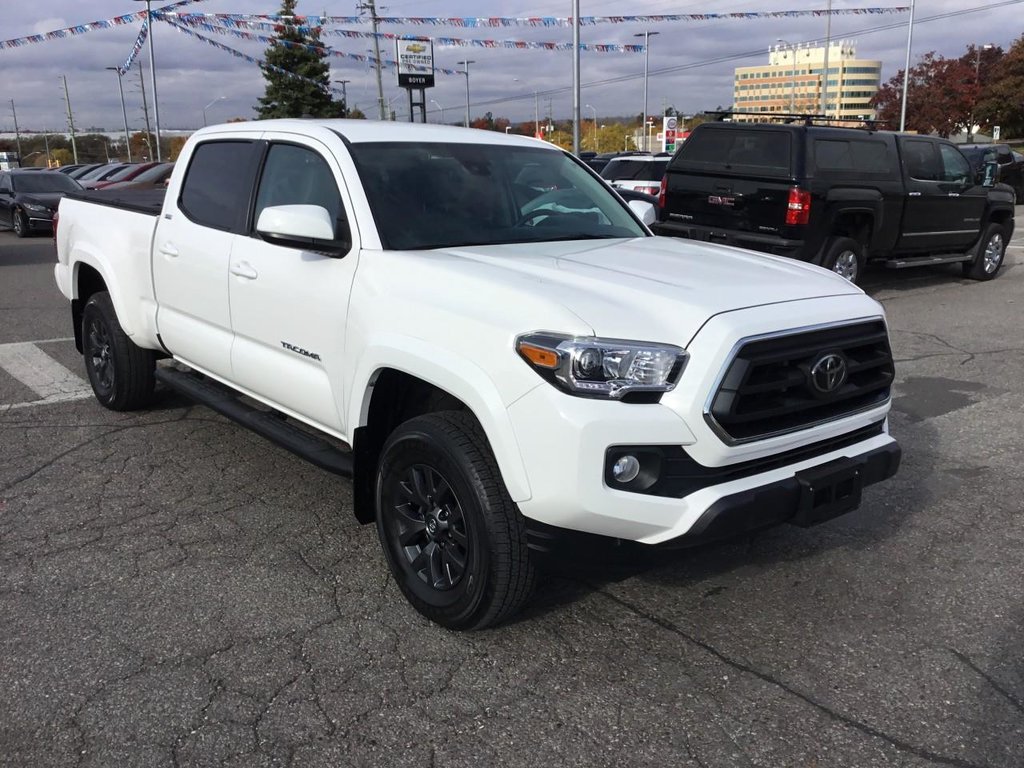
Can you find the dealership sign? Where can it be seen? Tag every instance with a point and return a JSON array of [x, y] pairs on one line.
[[415, 62]]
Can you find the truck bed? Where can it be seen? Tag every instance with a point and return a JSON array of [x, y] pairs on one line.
[[147, 201]]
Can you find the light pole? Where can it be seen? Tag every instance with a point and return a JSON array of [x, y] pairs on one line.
[[124, 112], [219, 98], [344, 95], [589, 106], [977, 81], [434, 101], [17, 133], [152, 74], [906, 68], [646, 35], [466, 64], [536, 111], [792, 84], [576, 77], [71, 119]]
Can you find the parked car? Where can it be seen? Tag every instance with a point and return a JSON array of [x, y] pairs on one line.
[[99, 175], [68, 168], [128, 173], [599, 161], [82, 170], [28, 199], [507, 363], [641, 173], [154, 177], [1010, 163], [837, 197]]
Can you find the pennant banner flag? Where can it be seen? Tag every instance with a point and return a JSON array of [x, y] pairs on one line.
[[136, 47], [203, 21], [551, 21], [90, 26]]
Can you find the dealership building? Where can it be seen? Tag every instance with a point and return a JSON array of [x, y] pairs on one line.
[[792, 82]]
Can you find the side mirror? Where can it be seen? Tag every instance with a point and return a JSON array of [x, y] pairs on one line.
[[300, 226], [989, 173], [647, 212]]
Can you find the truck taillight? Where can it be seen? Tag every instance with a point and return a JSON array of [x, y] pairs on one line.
[[661, 191], [798, 208]]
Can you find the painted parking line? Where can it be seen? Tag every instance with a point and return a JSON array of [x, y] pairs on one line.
[[42, 374]]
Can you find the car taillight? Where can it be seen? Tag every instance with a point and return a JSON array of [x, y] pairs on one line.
[[798, 208], [661, 191]]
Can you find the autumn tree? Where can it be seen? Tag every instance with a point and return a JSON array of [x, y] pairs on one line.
[[307, 89], [1001, 101]]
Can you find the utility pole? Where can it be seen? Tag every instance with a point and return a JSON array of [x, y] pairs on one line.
[[145, 111], [46, 143], [371, 6], [466, 63], [152, 74], [647, 35], [576, 78], [906, 69], [124, 113], [71, 119], [17, 133], [344, 94]]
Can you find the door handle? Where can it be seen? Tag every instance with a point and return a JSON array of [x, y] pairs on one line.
[[244, 269], [952, 194], [168, 250], [913, 194]]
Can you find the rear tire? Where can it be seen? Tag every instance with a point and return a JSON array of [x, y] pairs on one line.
[[845, 257], [989, 254], [453, 538], [120, 372]]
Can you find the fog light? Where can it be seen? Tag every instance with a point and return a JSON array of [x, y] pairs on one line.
[[626, 468]]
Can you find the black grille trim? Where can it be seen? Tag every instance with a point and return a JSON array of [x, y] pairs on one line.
[[766, 390]]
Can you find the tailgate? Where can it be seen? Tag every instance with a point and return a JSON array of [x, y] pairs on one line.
[[729, 203]]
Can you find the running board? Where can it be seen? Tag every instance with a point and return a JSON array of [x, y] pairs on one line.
[[923, 261], [268, 424]]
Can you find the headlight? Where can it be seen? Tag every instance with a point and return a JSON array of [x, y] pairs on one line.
[[36, 208], [603, 368]]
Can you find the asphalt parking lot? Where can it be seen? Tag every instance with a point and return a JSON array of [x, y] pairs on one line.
[[174, 591]]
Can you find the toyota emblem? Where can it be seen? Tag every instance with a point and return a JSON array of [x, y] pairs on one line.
[[828, 373]]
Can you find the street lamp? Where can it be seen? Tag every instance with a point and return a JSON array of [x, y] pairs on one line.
[[792, 84], [595, 126], [124, 112], [977, 80], [434, 101], [466, 64], [646, 35], [152, 73], [219, 98]]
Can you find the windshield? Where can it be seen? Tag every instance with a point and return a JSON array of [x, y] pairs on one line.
[[635, 170], [442, 195], [44, 182]]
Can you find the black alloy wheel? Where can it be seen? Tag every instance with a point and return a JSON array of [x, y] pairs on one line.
[[427, 519], [98, 355], [453, 538]]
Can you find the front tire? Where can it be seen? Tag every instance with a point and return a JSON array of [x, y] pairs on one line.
[[845, 257], [989, 254], [453, 538], [120, 372], [19, 223]]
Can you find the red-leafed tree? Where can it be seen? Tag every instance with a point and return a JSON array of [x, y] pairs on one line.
[[1001, 100]]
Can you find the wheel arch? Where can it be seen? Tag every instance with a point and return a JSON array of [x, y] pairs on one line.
[[86, 280], [399, 386]]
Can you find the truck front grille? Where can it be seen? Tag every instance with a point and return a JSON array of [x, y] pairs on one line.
[[786, 383]]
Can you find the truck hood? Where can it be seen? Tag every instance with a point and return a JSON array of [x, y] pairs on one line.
[[654, 288]]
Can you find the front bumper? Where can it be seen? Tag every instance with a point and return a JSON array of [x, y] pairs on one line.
[[564, 444], [40, 222]]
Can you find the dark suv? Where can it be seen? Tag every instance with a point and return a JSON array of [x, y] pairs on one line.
[[837, 197]]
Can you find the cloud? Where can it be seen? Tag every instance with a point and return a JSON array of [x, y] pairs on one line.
[[689, 62]]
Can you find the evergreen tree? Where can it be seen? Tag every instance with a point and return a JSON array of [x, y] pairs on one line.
[[288, 96]]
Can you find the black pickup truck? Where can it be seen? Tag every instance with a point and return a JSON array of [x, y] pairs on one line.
[[837, 197]]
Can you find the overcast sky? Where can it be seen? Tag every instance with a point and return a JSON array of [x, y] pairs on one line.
[[191, 74]]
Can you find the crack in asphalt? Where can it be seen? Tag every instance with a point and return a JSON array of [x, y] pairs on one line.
[[834, 714], [966, 660]]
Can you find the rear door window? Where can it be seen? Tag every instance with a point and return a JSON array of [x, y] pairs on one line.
[[757, 152], [921, 161], [852, 156], [218, 184], [631, 170]]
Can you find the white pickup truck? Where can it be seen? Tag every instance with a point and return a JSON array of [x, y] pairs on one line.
[[487, 339]]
